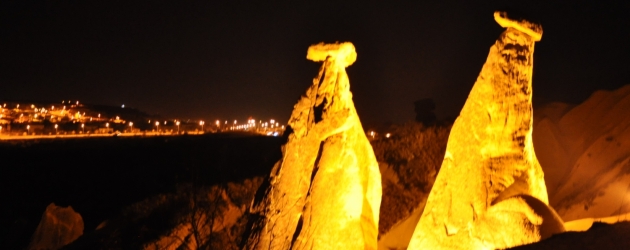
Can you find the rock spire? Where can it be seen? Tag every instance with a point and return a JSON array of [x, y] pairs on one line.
[[490, 192], [325, 192]]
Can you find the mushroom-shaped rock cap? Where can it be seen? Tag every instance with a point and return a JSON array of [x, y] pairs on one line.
[[342, 53], [531, 29]]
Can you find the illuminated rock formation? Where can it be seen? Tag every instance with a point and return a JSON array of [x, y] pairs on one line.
[[325, 193], [59, 226], [490, 192]]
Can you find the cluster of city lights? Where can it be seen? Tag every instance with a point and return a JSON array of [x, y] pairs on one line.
[[260, 126], [89, 122], [39, 114]]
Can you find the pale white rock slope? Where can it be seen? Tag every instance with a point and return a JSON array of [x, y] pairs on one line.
[[584, 151]]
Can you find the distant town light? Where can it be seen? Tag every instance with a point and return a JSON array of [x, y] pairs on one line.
[[123, 106], [387, 135]]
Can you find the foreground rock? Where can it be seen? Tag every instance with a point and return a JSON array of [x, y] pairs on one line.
[[598, 236], [325, 193], [213, 219], [59, 227], [206, 217], [490, 192]]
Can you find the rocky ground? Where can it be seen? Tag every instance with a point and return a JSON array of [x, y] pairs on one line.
[[101, 177]]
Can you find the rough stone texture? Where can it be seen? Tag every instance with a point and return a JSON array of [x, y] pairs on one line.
[[59, 226], [209, 222], [191, 217], [490, 192], [584, 150], [325, 193]]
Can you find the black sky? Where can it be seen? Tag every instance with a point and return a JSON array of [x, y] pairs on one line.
[[231, 60]]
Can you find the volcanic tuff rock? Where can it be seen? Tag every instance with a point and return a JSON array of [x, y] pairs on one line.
[[585, 153], [490, 192], [325, 193], [59, 226]]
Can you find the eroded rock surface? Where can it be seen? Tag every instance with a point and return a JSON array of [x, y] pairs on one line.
[[325, 193], [59, 226], [585, 153], [490, 192]]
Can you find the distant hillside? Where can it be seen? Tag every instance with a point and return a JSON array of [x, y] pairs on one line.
[[42, 117], [585, 153], [112, 111], [107, 111]]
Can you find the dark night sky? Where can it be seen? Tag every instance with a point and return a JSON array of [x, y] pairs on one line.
[[210, 60]]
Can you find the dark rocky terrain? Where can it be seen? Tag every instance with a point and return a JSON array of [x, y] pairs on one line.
[[99, 177]]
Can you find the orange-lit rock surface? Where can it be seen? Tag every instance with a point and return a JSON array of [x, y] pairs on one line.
[[585, 153], [490, 192], [59, 226], [325, 193]]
